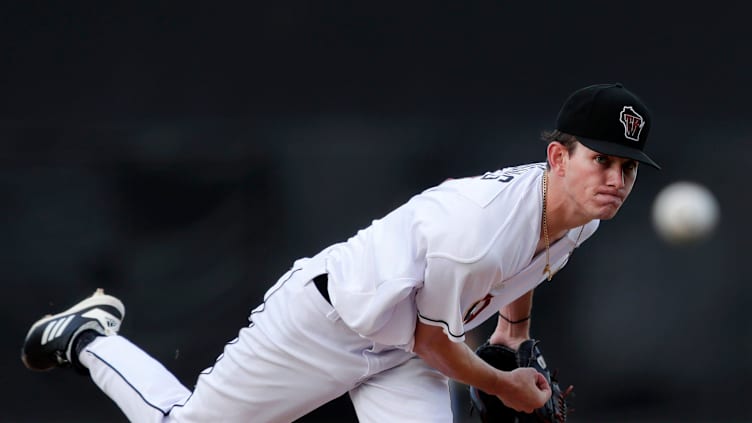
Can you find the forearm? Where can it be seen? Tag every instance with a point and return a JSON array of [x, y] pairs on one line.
[[456, 360], [523, 389]]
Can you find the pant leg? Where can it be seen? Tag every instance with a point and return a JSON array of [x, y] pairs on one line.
[[295, 356], [410, 392], [142, 387]]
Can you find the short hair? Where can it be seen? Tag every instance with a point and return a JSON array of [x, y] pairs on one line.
[[567, 140]]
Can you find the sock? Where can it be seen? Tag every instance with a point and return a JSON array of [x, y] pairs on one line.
[[82, 340]]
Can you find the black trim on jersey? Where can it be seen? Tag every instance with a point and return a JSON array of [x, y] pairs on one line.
[[446, 325]]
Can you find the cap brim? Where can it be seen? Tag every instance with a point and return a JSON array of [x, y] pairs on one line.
[[618, 150]]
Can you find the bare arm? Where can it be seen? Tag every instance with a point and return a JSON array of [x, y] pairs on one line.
[[523, 389], [515, 329]]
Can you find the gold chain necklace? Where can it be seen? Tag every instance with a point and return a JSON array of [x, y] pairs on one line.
[[547, 269]]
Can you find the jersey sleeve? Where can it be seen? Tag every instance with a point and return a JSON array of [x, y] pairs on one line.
[[449, 292], [459, 270]]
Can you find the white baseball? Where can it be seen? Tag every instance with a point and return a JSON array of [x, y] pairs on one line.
[[685, 212]]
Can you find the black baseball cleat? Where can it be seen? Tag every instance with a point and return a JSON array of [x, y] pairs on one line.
[[50, 341]]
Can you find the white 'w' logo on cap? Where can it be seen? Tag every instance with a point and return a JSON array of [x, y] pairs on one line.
[[632, 122]]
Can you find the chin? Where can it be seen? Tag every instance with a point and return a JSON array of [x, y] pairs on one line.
[[604, 211], [607, 213]]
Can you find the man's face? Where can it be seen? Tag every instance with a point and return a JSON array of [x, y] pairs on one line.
[[598, 184]]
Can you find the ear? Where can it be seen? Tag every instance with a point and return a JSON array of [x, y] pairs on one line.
[[557, 157]]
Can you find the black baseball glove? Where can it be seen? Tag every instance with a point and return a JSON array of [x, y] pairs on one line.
[[490, 407]]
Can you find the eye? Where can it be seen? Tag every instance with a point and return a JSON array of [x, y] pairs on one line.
[[600, 159], [630, 166]]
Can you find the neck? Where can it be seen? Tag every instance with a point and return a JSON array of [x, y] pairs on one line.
[[559, 217]]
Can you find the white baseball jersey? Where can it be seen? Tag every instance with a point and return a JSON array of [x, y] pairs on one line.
[[452, 256]]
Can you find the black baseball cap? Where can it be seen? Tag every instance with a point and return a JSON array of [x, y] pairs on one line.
[[609, 119]]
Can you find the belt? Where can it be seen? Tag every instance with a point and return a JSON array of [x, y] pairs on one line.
[[321, 282]]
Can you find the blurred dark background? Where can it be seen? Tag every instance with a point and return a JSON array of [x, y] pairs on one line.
[[182, 155]]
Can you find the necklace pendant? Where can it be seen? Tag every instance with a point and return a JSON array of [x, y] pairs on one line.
[[547, 272]]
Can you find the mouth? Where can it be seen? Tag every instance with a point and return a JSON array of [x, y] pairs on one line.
[[610, 198]]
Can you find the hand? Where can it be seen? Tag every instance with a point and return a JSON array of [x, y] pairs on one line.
[[498, 338], [526, 390]]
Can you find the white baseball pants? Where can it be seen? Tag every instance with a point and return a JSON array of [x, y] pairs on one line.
[[295, 356]]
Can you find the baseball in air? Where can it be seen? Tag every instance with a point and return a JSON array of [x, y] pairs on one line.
[[685, 212]]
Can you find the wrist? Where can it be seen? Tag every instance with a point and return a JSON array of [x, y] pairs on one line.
[[512, 342], [511, 334], [504, 383], [514, 321]]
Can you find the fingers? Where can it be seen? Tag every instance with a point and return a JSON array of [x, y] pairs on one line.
[[541, 394], [534, 392], [542, 383]]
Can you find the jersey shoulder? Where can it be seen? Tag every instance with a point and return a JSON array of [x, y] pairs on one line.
[[464, 218], [482, 190]]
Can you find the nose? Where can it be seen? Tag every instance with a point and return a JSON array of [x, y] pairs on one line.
[[616, 177]]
